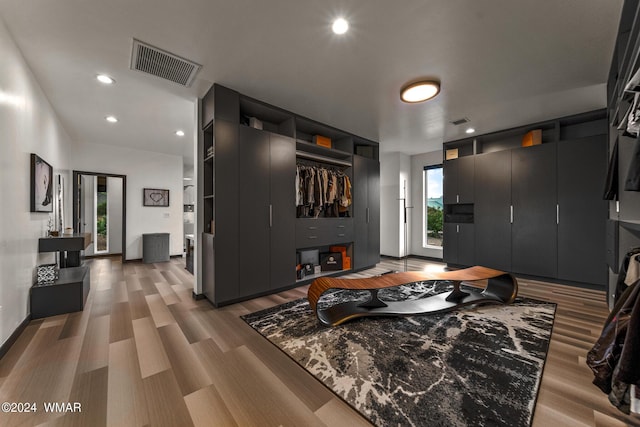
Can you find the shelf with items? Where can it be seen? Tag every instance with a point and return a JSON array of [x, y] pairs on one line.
[[259, 115], [316, 134], [323, 260]]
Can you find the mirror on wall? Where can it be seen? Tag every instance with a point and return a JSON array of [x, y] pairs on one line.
[[59, 204]]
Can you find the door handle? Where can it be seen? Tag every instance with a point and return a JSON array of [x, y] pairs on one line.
[[270, 216], [457, 198], [511, 208], [557, 214], [367, 215], [457, 228]]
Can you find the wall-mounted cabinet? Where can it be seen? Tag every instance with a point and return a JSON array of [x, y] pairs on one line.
[[253, 223]]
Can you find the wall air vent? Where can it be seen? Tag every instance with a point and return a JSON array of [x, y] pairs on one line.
[[459, 121], [163, 64]]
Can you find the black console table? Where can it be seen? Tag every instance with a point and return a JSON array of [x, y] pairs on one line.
[[65, 295], [68, 246]]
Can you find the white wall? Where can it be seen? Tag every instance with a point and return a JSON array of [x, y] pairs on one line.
[[114, 215], [88, 190], [394, 173], [28, 124], [144, 169], [418, 162]]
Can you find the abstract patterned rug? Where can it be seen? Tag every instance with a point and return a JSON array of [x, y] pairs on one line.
[[476, 366]]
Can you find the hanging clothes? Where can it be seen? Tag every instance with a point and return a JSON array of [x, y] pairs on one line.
[[615, 357], [621, 286], [320, 191], [632, 183]]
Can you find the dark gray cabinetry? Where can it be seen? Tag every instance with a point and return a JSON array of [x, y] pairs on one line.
[[459, 244], [247, 205], [282, 213], [266, 216], [366, 211], [492, 210], [458, 180], [253, 211], [534, 212], [581, 227]]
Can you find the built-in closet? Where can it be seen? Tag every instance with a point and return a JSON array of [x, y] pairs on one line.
[[533, 210], [253, 223]]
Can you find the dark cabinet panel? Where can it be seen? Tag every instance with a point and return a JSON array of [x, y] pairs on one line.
[[534, 200], [459, 244], [492, 189], [366, 211], [373, 251], [282, 214], [582, 212], [466, 244], [226, 194], [458, 180], [450, 243], [208, 266], [253, 211]]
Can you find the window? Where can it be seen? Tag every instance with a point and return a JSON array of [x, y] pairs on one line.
[[102, 242], [433, 207]]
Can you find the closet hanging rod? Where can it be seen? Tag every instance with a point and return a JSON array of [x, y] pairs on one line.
[[310, 156]]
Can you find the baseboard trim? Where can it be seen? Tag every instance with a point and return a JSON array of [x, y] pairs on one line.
[[398, 258], [4, 348]]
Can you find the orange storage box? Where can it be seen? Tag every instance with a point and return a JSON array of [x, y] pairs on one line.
[[323, 141], [346, 263], [533, 137]]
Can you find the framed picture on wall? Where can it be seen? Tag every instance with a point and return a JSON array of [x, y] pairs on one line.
[[155, 197], [41, 185]]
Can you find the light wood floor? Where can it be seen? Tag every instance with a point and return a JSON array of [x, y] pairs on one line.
[[144, 353]]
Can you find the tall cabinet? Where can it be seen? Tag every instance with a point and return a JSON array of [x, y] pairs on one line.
[[536, 210], [366, 212], [253, 235]]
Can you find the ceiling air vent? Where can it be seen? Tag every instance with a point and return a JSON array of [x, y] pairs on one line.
[[163, 64], [459, 121]]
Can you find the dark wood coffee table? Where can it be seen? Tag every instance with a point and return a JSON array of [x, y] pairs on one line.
[[494, 286]]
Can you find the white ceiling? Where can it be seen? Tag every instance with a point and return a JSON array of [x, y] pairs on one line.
[[502, 63]]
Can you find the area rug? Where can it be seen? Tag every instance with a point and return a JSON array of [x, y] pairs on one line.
[[478, 366]]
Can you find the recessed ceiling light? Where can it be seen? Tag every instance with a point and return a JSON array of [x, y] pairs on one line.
[[111, 119], [420, 91], [470, 130], [103, 78], [180, 133], [340, 26]]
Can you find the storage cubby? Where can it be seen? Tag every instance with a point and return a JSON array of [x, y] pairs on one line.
[[271, 119], [323, 250]]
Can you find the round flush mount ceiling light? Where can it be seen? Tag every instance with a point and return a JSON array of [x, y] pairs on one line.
[[103, 78], [420, 91], [180, 132], [340, 26], [111, 119], [470, 130]]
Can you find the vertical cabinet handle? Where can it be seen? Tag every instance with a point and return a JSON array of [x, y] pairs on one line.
[[367, 215], [457, 228], [557, 214], [511, 208], [270, 215], [457, 198]]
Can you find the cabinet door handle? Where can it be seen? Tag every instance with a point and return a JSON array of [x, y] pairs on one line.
[[341, 226], [367, 215], [312, 228], [511, 208], [557, 214], [457, 228], [312, 237], [457, 198], [341, 235], [270, 215]]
